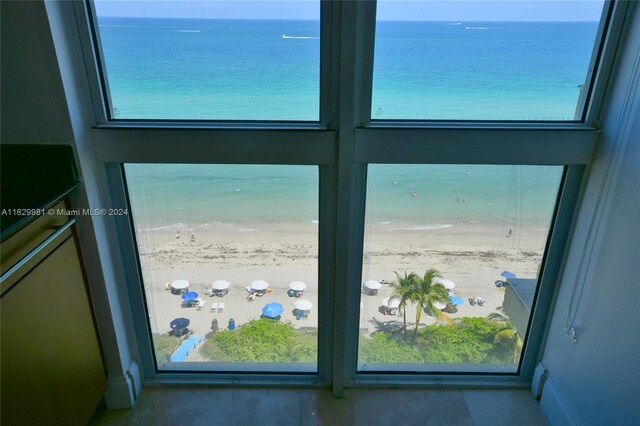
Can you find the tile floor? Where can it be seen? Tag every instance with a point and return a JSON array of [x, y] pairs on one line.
[[185, 406]]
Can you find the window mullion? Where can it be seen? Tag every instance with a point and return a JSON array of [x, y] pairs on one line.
[[609, 32], [353, 17]]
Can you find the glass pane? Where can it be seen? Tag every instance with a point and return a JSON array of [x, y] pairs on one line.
[[455, 253], [229, 260], [211, 60], [482, 60]]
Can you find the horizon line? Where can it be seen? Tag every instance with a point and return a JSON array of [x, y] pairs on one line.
[[318, 20]]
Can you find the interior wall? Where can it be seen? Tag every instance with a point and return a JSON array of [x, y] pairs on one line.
[[33, 104], [596, 379], [41, 86]]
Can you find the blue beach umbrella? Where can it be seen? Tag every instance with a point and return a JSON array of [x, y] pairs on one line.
[[189, 296], [272, 310], [508, 274], [179, 323], [456, 300]]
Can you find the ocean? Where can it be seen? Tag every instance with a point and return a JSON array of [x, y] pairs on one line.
[[269, 70]]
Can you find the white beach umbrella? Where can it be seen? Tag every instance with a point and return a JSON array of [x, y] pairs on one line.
[[303, 305], [372, 284], [298, 286], [440, 305], [259, 285], [180, 284], [393, 303], [220, 285], [448, 284]]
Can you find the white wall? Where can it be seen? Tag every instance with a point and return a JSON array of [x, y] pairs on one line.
[[596, 380]]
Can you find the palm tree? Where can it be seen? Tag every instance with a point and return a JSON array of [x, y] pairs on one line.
[[403, 291], [426, 295], [508, 335]]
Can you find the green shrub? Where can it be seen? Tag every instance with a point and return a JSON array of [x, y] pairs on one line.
[[385, 348], [469, 340], [163, 345], [262, 340]]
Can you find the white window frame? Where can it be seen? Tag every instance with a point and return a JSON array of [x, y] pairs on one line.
[[341, 143]]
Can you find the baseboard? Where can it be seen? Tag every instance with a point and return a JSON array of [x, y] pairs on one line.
[[554, 406], [122, 391]]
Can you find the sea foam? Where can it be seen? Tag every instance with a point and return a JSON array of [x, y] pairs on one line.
[[422, 227]]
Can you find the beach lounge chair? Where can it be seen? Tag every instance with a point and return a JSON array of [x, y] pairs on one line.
[[221, 307], [214, 307], [201, 304]]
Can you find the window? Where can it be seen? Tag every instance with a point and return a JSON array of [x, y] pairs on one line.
[[313, 191], [226, 246], [483, 60], [211, 60], [457, 248]]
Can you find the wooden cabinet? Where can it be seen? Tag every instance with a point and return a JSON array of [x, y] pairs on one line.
[[51, 368], [51, 365]]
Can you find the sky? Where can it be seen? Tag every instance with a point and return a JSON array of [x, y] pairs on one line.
[[388, 10]]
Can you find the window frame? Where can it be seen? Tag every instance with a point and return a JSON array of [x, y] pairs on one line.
[[590, 104], [342, 143]]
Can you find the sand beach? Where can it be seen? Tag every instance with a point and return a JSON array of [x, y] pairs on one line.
[[472, 256]]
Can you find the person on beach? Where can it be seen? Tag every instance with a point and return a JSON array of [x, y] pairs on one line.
[[177, 234], [193, 237]]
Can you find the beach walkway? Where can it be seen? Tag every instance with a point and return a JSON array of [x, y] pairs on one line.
[[186, 347]]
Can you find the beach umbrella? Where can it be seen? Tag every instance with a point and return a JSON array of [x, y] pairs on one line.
[[259, 285], [189, 296], [179, 323], [440, 305], [180, 284], [508, 274], [456, 300], [272, 310], [390, 302], [372, 284], [298, 286], [303, 305], [220, 285], [448, 284]]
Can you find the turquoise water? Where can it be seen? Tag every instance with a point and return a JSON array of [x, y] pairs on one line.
[[246, 69], [404, 197], [241, 69], [480, 70], [166, 196], [212, 69]]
